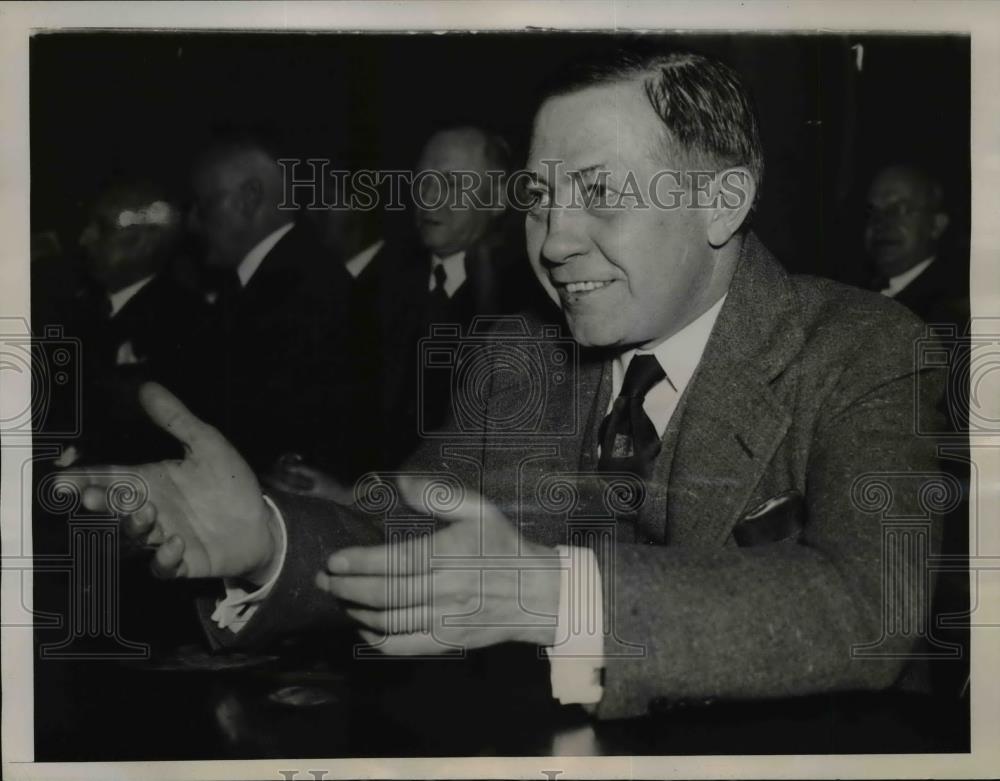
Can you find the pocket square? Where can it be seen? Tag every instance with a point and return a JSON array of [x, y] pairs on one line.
[[779, 518]]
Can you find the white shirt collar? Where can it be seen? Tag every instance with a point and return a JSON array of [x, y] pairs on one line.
[[898, 282], [360, 262], [679, 356], [454, 268], [251, 262], [121, 297]]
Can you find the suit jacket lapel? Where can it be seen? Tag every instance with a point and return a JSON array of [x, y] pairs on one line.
[[731, 422], [277, 273]]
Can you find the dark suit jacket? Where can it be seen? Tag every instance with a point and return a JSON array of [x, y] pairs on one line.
[[806, 386], [392, 310], [162, 328], [280, 361], [940, 294]]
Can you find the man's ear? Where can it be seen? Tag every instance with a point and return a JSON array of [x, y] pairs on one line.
[[734, 193], [941, 222], [251, 197]]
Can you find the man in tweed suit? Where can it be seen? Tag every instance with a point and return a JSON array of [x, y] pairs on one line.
[[681, 521]]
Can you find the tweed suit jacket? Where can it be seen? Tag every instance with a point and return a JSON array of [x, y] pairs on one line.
[[805, 394]]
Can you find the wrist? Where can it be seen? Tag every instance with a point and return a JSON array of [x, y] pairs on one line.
[[541, 587], [266, 569]]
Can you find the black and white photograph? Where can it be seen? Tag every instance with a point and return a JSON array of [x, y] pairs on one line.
[[494, 396]]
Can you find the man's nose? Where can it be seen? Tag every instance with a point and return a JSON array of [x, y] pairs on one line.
[[564, 238]]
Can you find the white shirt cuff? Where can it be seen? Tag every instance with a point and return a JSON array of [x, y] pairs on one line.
[[239, 605], [577, 659]]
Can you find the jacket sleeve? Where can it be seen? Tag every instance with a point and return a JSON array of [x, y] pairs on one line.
[[315, 529]]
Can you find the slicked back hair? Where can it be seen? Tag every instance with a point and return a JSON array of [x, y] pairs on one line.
[[707, 111]]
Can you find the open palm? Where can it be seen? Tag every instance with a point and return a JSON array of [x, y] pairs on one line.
[[204, 514]]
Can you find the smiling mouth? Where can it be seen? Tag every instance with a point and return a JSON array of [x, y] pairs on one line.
[[588, 286]]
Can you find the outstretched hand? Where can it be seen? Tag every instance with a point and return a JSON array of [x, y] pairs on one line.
[[474, 582], [204, 514]]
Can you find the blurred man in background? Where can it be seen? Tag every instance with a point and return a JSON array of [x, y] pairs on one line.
[[906, 220], [461, 263], [136, 322], [280, 309], [465, 265]]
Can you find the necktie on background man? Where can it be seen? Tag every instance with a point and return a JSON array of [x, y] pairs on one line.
[[629, 441], [439, 308]]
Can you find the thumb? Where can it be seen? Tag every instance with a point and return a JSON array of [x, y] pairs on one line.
[[170, 414]]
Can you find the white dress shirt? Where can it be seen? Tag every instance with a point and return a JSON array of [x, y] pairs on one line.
[[238, 606], [454, 269], [900, 281], [125, 353], [121, 297], [360, 262], [251, 262], [679, 356]]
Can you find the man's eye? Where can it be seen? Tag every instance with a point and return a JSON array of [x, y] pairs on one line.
[[537, 199]]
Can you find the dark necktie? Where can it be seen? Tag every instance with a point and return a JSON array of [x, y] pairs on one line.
[[440, 303], [629, 441], [440, 277]]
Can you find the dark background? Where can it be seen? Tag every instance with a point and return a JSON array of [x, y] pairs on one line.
[[104, 103]]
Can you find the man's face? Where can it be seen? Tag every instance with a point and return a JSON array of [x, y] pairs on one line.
[[903, 226], [627, 276], [116, 255], [447, 215], [216, 218]]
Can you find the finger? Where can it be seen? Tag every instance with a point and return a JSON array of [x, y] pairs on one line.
[[393, 622], [82, 478], [156, 536], [377, 591], [94, 498], [422, 643], [282, 482], [471, 508], [303, 470], [170, 414], [169, 556], [298, 478], [406, 558], [140, 523]]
